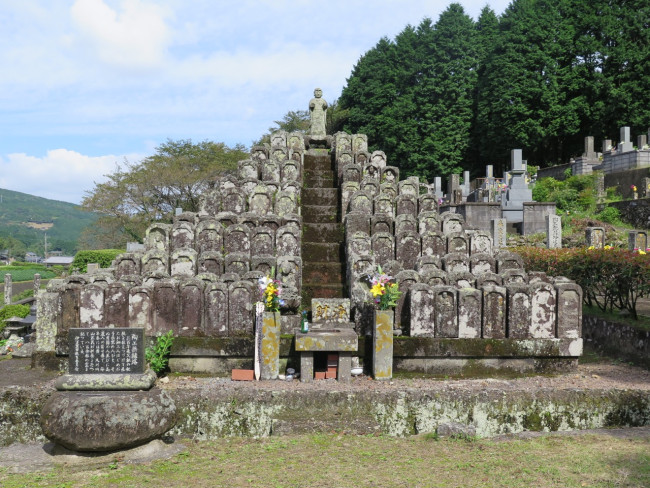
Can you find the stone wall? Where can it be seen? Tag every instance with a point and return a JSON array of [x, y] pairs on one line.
[[636, 212], [214, 413], [557, 172], [617, 340], [624, 180]]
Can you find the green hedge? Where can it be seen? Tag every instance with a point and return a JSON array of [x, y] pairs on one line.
[[610, 278], [102, 256]]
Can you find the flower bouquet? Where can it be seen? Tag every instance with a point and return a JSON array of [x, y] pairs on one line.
[[384, 291], [270, 292]]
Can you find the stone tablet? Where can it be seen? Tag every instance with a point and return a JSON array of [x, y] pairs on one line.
[[106, 351]]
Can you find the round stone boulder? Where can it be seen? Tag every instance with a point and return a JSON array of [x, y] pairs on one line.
[[101, 421]]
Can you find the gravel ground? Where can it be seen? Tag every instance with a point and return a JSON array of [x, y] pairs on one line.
[[596, 376]]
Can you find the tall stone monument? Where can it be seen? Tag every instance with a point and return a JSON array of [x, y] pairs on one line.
[[518, 191], [317, 113]]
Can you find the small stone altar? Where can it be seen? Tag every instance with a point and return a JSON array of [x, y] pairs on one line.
[[106, 402], [331, 331]]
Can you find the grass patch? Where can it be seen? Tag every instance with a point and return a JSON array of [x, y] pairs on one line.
[[331, 460]]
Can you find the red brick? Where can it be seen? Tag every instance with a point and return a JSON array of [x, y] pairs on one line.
[[319, 375], [243, 375], [331, 373]]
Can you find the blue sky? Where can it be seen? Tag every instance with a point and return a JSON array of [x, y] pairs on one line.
[[87, 83]]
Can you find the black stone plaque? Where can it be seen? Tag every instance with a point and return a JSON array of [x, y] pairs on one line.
[[106, 351]]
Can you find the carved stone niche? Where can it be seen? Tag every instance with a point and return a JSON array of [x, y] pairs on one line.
[[259, 153], [210, 202], [248, 168], [249, 219], [381, 223], [362, 157], [183, 262], [157, 237], [279, 139], [127, 264], [209, 236], [211, 262], [234, 199], [389, 174], [378, 158], [182, 235], [428, 263], [370, 184]]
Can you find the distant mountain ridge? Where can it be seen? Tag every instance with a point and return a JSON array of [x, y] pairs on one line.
[[28, 218]]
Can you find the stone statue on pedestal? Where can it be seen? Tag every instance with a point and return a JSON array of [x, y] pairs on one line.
[[318, 111]]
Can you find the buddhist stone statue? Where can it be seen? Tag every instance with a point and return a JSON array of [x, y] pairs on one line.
[[318, 110]]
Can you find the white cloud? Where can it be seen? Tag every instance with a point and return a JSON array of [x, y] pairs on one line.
[[136, 36], [60, 175]]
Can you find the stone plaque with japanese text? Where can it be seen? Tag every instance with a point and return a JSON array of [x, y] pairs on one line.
[[106, 351]]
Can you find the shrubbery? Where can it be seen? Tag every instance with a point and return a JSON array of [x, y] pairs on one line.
[[610, 278], [574, 194], [102, 256], [9, 311]]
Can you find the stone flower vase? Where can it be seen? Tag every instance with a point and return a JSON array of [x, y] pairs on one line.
[[382, 344], [270, 347]]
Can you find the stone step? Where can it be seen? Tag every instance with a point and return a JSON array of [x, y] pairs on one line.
[[321, 232], [320, 196], [317, 252], [318, 290], [331, 273], [326, 214], [318, 163], [319, 179]]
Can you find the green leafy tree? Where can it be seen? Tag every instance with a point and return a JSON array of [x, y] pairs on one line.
[[138, 193]]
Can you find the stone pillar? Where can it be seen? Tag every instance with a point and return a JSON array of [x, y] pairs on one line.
[[92, 268], [637, 239], [494, 312], [437, 183], [499, 233], [595, 236], [466, 182], [306, 367], [8, 289], [641, 141], [382, 345], [453, 184], [271, 329], [48, 309], [553, 232], [600, 187], [344, 366], [37, 284], [569, 310], [589, 148], [470, 307], [645, 190], [607, 145], [624, 144]]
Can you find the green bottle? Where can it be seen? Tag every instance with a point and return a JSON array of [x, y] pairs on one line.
[[304, 325]]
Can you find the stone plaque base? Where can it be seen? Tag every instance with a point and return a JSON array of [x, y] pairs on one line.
[[106, 382]]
